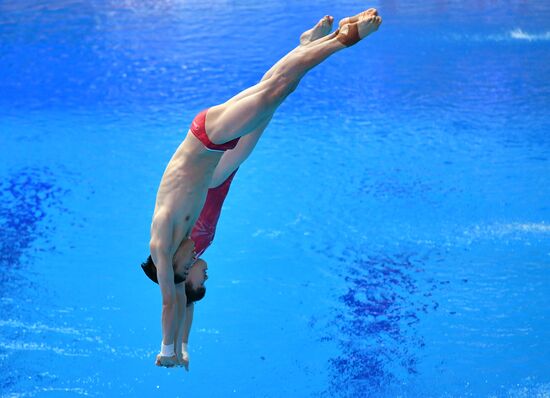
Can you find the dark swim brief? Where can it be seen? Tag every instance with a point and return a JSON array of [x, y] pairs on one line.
[[198, 128], [151, 272]]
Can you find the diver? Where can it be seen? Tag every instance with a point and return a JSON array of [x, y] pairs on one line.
[[197, 177]]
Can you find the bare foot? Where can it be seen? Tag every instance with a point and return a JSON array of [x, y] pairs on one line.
[[355, 18], [167, 362], [351, 33], [321, 29]]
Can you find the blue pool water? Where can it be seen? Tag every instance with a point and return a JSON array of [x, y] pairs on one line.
[[389, 237]]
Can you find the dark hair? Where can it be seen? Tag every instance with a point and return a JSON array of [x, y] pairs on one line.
[[192, 294]]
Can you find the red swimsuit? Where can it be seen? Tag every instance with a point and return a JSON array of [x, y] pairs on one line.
[[198, 128], [205, 228]]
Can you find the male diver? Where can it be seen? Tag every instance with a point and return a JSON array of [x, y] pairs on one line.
[[197, 177]]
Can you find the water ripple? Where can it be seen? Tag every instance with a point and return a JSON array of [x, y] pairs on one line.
[[26, 197], [375, 326]]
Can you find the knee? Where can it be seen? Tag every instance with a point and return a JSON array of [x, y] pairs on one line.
[[293, 86]]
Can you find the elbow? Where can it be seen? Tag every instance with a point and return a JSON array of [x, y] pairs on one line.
[[168, 301], [158, 249], [154, 246]]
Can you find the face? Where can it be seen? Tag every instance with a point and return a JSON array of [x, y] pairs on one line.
[[197, 274], [184, 257]]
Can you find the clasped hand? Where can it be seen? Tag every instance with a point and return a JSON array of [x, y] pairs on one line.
[[179, 360]]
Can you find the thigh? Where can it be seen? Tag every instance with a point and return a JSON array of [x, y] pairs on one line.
[[239, 117], [232, 160], [245, 93]]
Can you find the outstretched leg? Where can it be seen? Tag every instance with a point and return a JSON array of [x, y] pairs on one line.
[[321, 29], [231, 160], [237, 118], [356, 18]]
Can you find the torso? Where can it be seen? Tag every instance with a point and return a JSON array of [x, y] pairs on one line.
[[184, 186]]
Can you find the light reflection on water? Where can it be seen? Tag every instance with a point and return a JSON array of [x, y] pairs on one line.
[[404, 219]]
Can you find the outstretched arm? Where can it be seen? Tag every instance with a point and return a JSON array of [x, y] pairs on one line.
[[162, 254]]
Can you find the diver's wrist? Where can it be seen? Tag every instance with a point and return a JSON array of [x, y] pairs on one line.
[[167, 350]]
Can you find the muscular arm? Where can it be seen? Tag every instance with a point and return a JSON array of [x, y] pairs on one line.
[[161, 238], [165, 275]]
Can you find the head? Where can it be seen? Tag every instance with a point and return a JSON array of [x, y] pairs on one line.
[[194, 283], [184, 258], [193, 270], [186, 268]]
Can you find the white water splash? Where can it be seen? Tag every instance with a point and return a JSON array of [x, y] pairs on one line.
[[271, 234], [31, 346], [62, 390], [521, 35], [515, 34], [208, 331], [501, 230], [39, 327], [527, 389]]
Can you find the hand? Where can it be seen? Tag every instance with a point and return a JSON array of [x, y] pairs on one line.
[[167, 362], [184, 360]]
